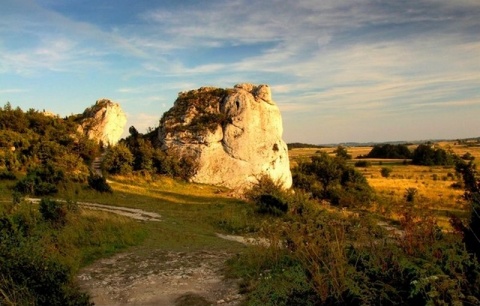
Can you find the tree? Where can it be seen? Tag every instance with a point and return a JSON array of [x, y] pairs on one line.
[[390, 151], [118, 160], [331, 178], [426, 155]]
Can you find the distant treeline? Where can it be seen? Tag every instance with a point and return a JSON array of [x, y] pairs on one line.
[[297, 145], [396, 151], [424, 154]]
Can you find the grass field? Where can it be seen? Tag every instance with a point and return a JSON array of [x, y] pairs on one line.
[[193, 214], [434, 184]]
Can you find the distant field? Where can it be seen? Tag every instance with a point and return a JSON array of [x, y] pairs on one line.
[[434, 184]]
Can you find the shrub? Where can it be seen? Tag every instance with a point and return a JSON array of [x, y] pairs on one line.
[[273, 205], [118, 160], [341, 152], [53, 212], [363, 163], [268, 197], [99, 183], [410, 194], [385, 172], [332, 179], [468, 156], [40, 181]]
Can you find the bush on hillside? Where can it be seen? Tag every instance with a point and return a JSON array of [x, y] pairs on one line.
[[118, 160], [99, 183], [330, 178], [40, 181], [268, 197]]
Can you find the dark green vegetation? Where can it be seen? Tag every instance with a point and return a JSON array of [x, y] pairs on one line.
[[319, 256], [42, 246], [48, 149], [302, 145], [142, 153], [331, 178], [427, 155], [399, 151], [424, 154]]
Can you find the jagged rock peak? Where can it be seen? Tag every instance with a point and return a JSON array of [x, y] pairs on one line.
[[104, 122], [233, 135]]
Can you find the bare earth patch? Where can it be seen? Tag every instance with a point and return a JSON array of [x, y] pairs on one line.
[[134, 213], [160, 278]]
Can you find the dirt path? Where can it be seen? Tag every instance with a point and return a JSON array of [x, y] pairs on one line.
[[157, 277], [160, 278], [134, 213]]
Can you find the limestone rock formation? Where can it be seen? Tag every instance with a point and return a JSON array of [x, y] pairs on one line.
[[233, 136], [103, 122]]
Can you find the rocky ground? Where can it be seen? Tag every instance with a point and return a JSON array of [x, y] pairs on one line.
[[146, 277], [160, 278]]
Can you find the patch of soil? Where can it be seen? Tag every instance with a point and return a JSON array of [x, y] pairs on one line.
[[160, 278]]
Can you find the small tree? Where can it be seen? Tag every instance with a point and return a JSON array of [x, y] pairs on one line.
[[119, 160]]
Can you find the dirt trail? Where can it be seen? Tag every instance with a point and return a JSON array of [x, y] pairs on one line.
[[157, 277], [160, 278], [134, 213]]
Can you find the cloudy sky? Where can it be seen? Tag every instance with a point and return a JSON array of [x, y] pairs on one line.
[[359, 70]]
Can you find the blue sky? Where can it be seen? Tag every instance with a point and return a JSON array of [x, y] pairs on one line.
[[339, 70]]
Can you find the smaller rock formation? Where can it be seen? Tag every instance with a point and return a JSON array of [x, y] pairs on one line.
[[104, 122], [233, 136]]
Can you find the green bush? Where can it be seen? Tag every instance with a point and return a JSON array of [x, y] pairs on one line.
[[118, 160], [99, 183], [346, 260], [332, 179], [268, 197], [53, 212], [29, 274]]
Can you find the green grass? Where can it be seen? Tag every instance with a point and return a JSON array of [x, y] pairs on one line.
[[191, 214]]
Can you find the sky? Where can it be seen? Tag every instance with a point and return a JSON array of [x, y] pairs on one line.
[[340, 71]]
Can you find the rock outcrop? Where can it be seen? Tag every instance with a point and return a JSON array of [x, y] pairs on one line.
[[104, 122], [233, 136]]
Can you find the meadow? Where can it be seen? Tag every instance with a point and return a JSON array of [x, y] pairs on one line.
[[433, 183], [302, 272]]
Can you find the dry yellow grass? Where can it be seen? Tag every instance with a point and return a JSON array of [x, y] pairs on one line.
[[434, 184]]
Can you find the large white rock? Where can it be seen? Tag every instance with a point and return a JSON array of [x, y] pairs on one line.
[[233, 135], [104, 122]]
